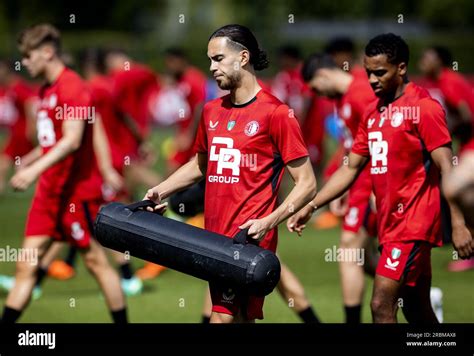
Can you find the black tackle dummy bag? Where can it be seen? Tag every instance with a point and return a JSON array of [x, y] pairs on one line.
[[216, 258], [189, 202]]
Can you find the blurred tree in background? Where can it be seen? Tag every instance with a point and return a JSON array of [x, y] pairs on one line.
[[146, 28]]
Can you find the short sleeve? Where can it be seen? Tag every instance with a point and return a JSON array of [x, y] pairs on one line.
[[200, 143], [361, 141], [432, 126], [286, 134], [76, 95]]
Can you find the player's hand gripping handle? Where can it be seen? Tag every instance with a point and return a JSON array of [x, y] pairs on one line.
[[242, 237]]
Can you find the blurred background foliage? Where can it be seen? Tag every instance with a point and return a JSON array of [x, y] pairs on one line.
[[145, 28]]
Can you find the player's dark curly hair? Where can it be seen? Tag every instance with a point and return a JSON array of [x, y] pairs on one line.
[[314, 62], [339, 44], [241, 35], [393, 46], [93, 56], [443, 54]]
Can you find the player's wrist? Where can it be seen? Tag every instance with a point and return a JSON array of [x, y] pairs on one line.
[[313, 206], [35, 169]]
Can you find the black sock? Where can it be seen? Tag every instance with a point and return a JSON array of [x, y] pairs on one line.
[[120, 316], [40, 274], [205, 319], [309, 316], [126, 270], [352, 314], [10, 315], [71, 256]]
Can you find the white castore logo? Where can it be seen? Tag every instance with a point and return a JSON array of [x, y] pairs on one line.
[[391, 265], [213, 125], [227, 158], [378, 151]]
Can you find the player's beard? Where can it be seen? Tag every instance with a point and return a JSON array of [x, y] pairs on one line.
[[231, 81]]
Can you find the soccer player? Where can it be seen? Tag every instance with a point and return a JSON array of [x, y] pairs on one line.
[[342, 51], [191, 83], [132, 85], [455, 93], [108, 150], [288, 84], [244, 141], [17, 101], [190, 202], [405, 137], [352, 94], [65, 200]]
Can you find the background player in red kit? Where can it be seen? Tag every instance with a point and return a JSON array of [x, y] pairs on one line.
[[17, 101], [191, 83], [453, 91], [66, 197], [405, 136], [244, 141], [132, 85], [352, 95], [288, 84]]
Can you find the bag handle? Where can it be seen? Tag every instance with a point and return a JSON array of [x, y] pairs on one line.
[[243, 237], [141, 204]]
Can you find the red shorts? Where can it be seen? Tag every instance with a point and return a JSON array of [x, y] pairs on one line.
[[410, 260], [225, 301], [71, 221]]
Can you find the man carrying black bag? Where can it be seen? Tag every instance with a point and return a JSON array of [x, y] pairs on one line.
[[244, 141]]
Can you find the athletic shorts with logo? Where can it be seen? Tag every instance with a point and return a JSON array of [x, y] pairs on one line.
[[408, 260], [69, 220]]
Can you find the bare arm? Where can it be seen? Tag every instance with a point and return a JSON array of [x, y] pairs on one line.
[[341, 180], [339, 183], [188, 174], [462, 238], [458, 187], [30, 113], [303, 191], [72, 131], [30, 157]]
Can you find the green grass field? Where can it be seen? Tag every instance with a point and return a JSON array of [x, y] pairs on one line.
[[176, 298]]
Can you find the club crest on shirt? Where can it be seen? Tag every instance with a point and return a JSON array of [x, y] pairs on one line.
[[230, 125], [53, 100], [346, 111], [396, 253], [251, 128], [397, 119]]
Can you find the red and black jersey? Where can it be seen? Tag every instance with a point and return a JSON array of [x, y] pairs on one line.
[[247, 147], [399, 139]]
